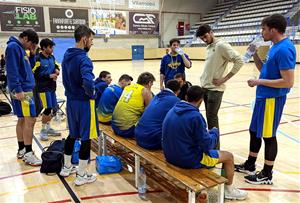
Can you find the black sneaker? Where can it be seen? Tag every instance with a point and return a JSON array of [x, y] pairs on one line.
[[245, 168], [259, 178]]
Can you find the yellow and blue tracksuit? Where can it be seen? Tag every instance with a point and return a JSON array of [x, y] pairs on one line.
[[186, 142]]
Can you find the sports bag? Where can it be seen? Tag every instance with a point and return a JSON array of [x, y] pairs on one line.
[[53, 157], [108, 164]]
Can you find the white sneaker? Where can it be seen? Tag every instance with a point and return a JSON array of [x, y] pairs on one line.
[[86, 178], [21, 153], [53, 132], [31, 159], [44, 135], [65, 172], [235, 194]]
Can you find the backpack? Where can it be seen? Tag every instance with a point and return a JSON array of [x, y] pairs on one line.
[[108, 164], [4, 108], [53, 157]]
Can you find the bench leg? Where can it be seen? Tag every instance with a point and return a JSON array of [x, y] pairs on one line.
[[192, 197], [137, 169], [221, 193], [104, 152]]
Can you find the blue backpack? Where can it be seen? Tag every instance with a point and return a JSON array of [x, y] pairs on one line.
[[108, 164]]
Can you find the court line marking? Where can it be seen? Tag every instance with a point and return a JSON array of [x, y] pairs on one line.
[[270, 190], [20, 174], [6, 138]]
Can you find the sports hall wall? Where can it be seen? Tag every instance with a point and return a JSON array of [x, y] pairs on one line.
[[118, 46]]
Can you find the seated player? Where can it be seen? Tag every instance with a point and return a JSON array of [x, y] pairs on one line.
[[148, 130], [101, 83], [46, 71], [110, 97], [131, 105], [187, 143], [184, 85]]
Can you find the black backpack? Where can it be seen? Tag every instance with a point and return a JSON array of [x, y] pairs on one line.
[[4, 108], [53, 157]]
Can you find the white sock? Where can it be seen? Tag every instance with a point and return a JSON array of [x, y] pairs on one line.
[[82, 167], [228, 187], [48, 126], [68, 158]]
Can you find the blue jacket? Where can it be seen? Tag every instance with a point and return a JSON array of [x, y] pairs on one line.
[[149, 129], [43, 68], [185, 137], [77, 74], [100, 86], [19, 74]]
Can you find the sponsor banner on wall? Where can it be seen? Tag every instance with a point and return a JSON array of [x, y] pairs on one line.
[[143, 23], [66, 20], [111, 2], [18, 18], [108, 22], [144, 4]]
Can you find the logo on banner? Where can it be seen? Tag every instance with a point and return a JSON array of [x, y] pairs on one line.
[[146, 19], [69, 13]]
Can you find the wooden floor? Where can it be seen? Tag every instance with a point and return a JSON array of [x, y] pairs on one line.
[[21, 183]]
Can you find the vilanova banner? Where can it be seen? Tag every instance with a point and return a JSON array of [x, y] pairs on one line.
[[143, 23], [18, 18], [66, 20], [144, 4]]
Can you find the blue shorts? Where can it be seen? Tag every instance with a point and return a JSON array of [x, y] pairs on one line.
[[129, 133], [48, 99], [266, 116], [24, 108], [209, 159], [82, 119]]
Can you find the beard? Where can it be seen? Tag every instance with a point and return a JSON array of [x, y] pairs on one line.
[[86, 49]]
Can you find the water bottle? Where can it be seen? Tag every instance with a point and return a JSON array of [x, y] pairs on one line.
[[142, 184], [256, 43]]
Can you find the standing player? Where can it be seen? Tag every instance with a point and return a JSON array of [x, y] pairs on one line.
[[46, 71], [274, 83], [173, 62], [78, 80], [20, 83]]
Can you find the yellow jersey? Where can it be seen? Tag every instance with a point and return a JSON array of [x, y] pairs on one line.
[[129, 108]]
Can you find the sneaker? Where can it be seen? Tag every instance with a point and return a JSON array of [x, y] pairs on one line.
[[53, 132], [235, 194], [65, 172], [245, 168], [86, 178], [44, 135], [31, 159], [21, 153], [259, 178]]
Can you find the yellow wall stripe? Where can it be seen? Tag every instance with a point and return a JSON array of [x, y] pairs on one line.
[[93, 130], [43, 99], [269, 118]]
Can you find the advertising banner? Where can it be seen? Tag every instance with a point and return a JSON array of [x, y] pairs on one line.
[[144, 4], [66, 20], [143, 23], [109, 22], [18, 18]]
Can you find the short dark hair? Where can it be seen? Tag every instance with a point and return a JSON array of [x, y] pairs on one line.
[[194, 93], [276, 21], [174, 40], [173, 85], [202, 30], [46, 42], [125, 77], [145, 78], [82, 31], [180, 75], [103, 74], [31, 35]]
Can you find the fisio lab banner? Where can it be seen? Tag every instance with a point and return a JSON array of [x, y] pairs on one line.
[[66, 20], [18, 18], [143, 23]]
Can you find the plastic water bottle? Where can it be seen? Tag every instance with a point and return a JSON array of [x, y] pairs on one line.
[[142, 186], [256, 43]]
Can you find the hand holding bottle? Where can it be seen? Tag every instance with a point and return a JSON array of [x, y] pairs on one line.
[[179, 51]]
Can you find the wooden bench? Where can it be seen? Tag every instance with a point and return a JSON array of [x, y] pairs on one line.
[[194, 180]]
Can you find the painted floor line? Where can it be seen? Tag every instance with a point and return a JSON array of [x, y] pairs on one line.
[[270, 190], [6, 138], [20, 174]]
